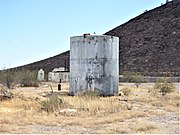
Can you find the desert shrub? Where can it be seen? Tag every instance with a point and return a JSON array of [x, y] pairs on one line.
[[135, 78], [128, 76], [8, 78], [5, 94], [28, 78], [126, 91], [143, 127], [153, 91], [89, 94], [164, 85], [53, 103]]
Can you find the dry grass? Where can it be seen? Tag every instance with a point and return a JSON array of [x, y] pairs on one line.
[[142, 127], [5, 128], [94, 106], [103, 114]]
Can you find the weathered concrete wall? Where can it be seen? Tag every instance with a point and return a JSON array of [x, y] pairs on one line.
[[55, 77], [64, 76], [40, 76], [94, 64]]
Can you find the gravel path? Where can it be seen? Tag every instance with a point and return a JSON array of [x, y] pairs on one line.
[[42, 129], [168, 118], [170, 123]]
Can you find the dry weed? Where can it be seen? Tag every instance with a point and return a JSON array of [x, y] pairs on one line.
[[5, 128], [144, 127], [94, 106]]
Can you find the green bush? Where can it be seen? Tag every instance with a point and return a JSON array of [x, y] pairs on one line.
[[28, 78], [8, 78], [25, 78], [126, 91], [128, 76], [164, 85], [135, 78]]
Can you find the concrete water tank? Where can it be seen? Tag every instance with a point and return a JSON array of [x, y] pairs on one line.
[[94, 64]]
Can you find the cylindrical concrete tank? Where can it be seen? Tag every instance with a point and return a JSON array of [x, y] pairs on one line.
[[94, 64]]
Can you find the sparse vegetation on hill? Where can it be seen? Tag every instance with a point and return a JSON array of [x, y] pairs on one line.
[[149, 43]]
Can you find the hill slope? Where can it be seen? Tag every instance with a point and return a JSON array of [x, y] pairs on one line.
[[149, 43], [61, 60]]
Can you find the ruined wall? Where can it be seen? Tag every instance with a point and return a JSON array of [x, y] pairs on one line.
[[94, 64], [56, 76], [40, 76]]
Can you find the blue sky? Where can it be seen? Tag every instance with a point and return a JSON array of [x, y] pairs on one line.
[[32, 30]]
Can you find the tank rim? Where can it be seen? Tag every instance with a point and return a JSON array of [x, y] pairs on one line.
[[81, 36]]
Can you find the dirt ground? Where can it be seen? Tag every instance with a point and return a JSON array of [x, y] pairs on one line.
[[142, 111]]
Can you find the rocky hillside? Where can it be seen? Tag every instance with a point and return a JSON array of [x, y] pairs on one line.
[[149, 43], [61, 60]]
